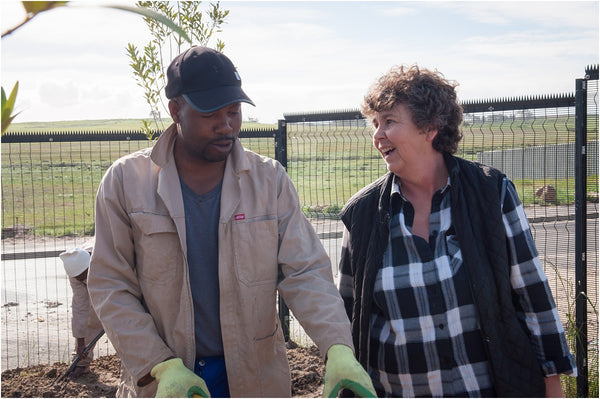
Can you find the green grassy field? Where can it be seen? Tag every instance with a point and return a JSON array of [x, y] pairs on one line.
[[52, 185], [103, 125]]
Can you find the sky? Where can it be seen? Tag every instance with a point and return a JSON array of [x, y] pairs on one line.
[[307, 56]]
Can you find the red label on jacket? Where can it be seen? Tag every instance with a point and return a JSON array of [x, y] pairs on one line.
[[241, 216]]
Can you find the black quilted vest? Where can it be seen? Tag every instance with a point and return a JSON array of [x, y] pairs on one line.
[[477, 219]]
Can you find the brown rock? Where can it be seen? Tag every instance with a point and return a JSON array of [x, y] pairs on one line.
[[547, 193]]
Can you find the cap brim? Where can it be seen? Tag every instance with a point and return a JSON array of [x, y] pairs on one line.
[[212, 100]]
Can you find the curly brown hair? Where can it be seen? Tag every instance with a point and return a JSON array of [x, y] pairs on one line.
[[430, 98]]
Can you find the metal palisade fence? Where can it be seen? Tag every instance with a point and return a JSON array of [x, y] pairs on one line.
[[548, 146]]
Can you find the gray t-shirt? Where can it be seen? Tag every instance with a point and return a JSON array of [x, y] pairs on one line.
[[202, 235]]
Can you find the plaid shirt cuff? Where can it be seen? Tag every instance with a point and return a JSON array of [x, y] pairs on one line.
[[564, 365]]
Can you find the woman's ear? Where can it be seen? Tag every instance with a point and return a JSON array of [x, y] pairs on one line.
[[430, 133]]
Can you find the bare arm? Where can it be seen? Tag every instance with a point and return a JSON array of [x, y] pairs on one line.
[[553, 387]]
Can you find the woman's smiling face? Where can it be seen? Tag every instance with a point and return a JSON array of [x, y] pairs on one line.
[[400, 142]]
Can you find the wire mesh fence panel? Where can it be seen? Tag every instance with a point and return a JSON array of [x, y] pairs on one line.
[[328, 162], [593, 235], [48, 194]]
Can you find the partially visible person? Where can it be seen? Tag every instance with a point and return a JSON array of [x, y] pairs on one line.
[[439, 271], [85, 325], [195, 238]]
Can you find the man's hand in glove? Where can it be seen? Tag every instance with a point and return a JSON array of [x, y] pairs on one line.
[[343, 371], [177, 381]]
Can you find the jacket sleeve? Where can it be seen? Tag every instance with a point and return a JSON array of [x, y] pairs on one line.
[[113, 286], [307, 284], [80, 306]]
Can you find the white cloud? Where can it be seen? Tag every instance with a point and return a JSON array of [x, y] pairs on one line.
[[399, 11], [546, 13], [298, 56], [527, 45], [58, 94]]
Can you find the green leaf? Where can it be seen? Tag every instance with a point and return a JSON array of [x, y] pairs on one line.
[[155, 16], [8, 104], [7, 107], [34, 7]]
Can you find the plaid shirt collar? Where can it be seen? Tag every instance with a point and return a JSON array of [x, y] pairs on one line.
[[397, 188]]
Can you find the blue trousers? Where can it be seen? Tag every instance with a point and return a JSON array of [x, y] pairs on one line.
[[212, 371]]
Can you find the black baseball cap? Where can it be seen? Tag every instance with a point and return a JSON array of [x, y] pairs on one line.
[[206, 78]]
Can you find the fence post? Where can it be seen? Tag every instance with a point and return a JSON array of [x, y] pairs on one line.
[[281, 156], [281, 143], [580, 236]]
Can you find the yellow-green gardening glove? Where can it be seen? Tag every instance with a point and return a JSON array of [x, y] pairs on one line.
[[342, 370], [177, 381]]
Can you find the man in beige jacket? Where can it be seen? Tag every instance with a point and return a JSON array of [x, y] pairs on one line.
[[194, 239], [84, 322]]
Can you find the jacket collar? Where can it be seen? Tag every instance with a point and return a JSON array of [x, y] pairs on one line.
[[162, 155], [385, 191], [452, 166], [163, 148], [237, 165]]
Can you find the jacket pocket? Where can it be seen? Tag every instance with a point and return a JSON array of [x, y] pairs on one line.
[[157, 248], [273, 367], [256, 245]]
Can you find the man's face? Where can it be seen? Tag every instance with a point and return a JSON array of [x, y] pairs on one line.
[[207, 137]]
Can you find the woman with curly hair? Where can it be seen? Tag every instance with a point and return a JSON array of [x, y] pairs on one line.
[[439, 272]]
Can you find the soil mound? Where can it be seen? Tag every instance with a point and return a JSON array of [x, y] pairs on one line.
[[306, 366]]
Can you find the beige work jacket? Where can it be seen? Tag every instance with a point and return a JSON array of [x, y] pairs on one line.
[[139, 284], [84, 322]]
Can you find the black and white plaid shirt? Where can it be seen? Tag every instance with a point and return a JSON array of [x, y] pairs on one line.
[[425, 337]]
